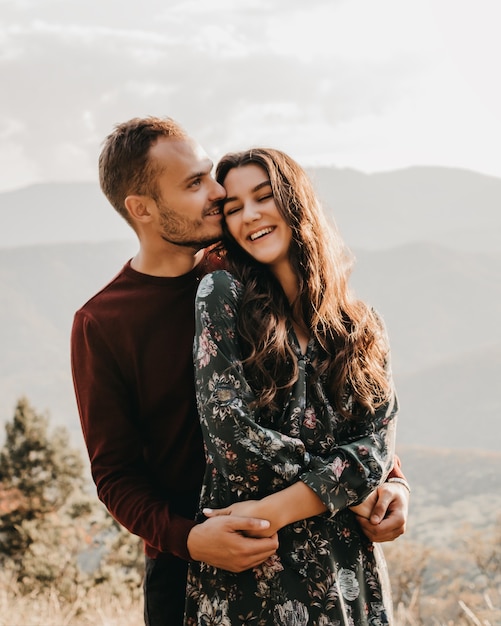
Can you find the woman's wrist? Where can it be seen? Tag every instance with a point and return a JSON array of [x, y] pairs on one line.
[[272, 509], [290, 505]]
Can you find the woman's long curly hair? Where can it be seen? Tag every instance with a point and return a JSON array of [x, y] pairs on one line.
[[353, 351]]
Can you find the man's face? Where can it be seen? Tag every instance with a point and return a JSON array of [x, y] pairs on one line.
[[188, 207]]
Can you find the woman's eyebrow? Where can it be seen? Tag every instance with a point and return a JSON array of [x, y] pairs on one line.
[[265, 183], [261, 185]]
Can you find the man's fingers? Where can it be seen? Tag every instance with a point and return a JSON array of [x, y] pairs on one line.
[[222, 542], [380, 508], [238, 522], [215, 512], [388, 530], [246, 524]]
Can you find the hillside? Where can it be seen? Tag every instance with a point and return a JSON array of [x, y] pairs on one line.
[[446, 356], [454, 402], [438, 303], [428, 248], [450, 489], [58, 213], [457, 208]]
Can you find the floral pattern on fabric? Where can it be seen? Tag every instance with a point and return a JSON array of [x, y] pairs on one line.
[[325, 571]]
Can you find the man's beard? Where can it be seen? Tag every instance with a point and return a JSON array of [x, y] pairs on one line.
[[198, 244], [183, 232]]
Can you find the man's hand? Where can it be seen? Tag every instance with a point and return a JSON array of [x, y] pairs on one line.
[[249, 509], [221, 541], [366, 507], [281, 508], [388, 518]]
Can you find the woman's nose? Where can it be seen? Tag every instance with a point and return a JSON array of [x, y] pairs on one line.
[[251, 212]]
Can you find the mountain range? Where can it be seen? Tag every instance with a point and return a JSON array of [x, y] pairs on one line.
[[427, 243]]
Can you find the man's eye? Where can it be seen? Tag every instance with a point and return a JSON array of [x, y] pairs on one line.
[[196, 183]]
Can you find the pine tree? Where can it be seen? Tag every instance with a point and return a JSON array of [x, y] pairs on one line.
[[41, 479], [51, 528], [42, 466]]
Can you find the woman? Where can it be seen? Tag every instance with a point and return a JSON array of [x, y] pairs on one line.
[[296, 405]]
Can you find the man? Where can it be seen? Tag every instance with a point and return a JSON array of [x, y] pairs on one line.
[[133, 371]]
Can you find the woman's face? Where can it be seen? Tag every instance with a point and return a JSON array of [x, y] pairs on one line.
[[252, 217]]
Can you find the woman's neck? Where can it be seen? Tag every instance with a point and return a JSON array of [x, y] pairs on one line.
[[288, 280]]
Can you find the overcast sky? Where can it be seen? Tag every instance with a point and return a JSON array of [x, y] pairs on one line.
[[367, 84]]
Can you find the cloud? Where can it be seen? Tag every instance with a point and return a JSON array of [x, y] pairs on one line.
[[306, 79], [71, 80]]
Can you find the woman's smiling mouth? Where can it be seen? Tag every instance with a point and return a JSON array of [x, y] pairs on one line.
[[261, 233]]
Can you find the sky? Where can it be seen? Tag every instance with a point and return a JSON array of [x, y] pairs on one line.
[[372, 85]]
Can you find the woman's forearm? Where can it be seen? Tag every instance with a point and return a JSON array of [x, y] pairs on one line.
[[290, 505], [283, 507]]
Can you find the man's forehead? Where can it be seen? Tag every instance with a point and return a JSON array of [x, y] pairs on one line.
[[181, 150], [199, 151]]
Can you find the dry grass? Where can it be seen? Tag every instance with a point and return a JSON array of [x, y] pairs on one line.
[[430, 588], [100, 608], [93, 608]]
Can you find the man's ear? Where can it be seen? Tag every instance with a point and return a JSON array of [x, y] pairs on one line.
[[138, 208]]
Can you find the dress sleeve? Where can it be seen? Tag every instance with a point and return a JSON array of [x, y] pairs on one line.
[[364, 453], [253, 461], [250, 460], [358, 464]]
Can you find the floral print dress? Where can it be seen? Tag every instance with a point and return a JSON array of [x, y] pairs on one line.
[[325, 571]]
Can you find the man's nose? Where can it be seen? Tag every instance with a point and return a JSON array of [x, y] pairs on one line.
[[218, 192]]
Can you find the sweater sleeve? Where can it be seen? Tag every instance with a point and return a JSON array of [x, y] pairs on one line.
[[115, 446], [396, 470]]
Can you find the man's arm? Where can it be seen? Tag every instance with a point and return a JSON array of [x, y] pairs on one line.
[[122, 479], [115, 444]]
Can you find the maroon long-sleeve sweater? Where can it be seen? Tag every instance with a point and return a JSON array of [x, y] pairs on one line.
[[131, 352], [131, 349]]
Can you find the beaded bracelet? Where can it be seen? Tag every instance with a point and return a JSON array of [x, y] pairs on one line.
[[401, 481]]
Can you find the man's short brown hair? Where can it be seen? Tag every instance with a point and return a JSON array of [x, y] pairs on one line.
[[125, 167]]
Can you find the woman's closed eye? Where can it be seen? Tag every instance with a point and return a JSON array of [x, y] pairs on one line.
[[231, 210]]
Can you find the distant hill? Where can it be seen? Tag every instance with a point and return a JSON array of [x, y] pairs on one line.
[[59, 213], [450, 489], [438, 303], [428, 248], [457, 208], [454, 402], [452, 207], [442, 309], [40, 289]]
